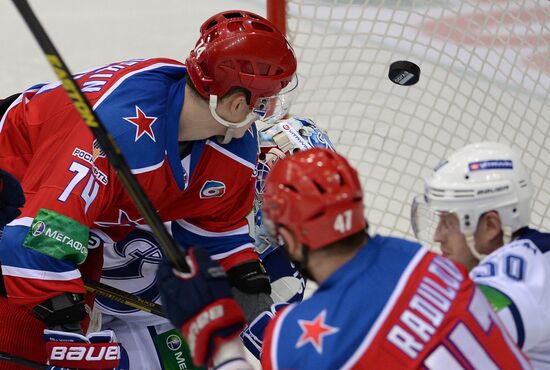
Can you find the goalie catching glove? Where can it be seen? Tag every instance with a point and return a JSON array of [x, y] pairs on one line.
[[201, 304]]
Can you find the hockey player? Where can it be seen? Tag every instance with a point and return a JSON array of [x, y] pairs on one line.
[[187, 133], [11, 194], [480, 200], [382, 303], [131, 264]]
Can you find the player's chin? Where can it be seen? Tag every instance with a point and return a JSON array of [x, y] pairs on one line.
[[446, 253], [240, 132]]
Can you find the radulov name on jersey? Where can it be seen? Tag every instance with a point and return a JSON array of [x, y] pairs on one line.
[[427, 308]]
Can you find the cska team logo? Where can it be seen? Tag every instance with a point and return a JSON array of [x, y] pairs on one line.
[[212, 189]]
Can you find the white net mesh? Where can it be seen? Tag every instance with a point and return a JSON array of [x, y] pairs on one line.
[[485, 76]]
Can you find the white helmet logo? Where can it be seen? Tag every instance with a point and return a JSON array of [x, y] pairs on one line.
[[200, 48]]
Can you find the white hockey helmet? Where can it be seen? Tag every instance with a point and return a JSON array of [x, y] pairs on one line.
[[277, 141], [478, 178]]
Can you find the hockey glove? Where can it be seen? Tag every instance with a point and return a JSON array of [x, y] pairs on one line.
[[95, 351], [11, 198], [200, 303]]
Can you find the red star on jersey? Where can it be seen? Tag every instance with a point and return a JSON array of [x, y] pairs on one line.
[[123, 220], [143, 124], [314, 331]]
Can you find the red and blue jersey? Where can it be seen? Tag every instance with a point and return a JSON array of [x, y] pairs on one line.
[[45, 144], [393, 306]]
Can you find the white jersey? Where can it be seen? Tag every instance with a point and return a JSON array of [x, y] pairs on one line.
[[150, 342], [130, 265], [152, 347], [516, 280]]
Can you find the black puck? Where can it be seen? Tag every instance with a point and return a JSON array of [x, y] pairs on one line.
[[404, 73]]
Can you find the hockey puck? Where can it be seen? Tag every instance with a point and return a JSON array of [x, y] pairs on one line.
[[404, 73]]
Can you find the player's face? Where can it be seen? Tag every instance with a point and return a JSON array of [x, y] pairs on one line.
[[452, 241]]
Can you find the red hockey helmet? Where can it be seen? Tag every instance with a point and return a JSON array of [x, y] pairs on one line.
[[317, 195], [241, 49]]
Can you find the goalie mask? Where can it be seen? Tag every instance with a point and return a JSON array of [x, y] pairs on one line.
[[474, 180], [276, 142]]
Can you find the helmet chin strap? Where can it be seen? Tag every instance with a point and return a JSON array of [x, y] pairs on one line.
[[506, 238], [470, 242], [506, 235], [231, 126]]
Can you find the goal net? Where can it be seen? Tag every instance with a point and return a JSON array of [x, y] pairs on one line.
[[485, 76]]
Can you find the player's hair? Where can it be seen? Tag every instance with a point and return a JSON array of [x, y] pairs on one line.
[[347, 245]]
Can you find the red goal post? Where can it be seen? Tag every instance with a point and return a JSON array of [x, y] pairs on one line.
[[276, 13], [485, 76]]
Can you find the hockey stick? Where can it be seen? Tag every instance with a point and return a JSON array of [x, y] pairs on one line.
[[23, 361], [103, 290], [123, 297], [174, 253], [135, 301]]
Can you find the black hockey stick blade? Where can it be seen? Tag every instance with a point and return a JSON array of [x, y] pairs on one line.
[[174, 253]]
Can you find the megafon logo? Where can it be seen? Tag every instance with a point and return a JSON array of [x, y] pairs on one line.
[[212, 189], [173, 342], [38, 228]]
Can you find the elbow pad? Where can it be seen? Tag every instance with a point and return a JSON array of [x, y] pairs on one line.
[[67, 309]]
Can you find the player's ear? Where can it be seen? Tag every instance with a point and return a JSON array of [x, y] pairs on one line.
[[492, 227], [236, 103], [292, 245]]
